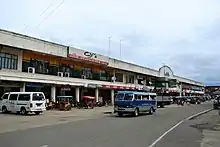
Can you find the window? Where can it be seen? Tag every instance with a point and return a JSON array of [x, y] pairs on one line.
[[120, 96], [5, 97], [128, 97], [119, 77], [13, 97], [138, 97], [153, 97], [38, 97], [8, 61], [24, 97]]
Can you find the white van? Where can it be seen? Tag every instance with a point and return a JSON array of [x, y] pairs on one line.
[[23, 102]]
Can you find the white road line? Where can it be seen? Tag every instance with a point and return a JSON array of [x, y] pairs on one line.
[[176, 125], [44, 146]]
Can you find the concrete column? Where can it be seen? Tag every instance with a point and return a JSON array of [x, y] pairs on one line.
[[53, 93], [112, 96], [22, 89], [135, 80], [77, 94], [180, 89], [96, 94], [124, 77], [114, 76]]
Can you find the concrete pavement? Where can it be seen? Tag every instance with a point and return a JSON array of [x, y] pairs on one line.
[[202, 131], [105, 131]]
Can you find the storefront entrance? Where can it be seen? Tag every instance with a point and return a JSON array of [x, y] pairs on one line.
[[37, 87], [105, 94]]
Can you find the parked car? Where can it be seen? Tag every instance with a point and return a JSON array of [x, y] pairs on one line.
[[23, 102]]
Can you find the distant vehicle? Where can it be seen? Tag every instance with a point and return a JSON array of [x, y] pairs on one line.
[[23, 102], [130, 102], [216, 103]]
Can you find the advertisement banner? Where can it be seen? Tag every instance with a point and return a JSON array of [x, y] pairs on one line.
[[87, 56]]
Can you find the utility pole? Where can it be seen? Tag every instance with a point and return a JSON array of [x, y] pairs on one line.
[[109, 45], [120, 48]]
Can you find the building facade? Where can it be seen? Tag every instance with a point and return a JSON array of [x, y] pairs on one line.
[[31, 64]]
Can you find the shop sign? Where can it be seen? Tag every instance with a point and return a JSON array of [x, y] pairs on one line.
[[99, 86], [106, 86], [92, 85], [66, 89], [87, 56]]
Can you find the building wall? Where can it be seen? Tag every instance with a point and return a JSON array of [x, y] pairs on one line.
[[114, 63], [30, 43], [33, 44]]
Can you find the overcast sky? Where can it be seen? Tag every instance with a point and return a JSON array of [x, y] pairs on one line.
[[183, 34]]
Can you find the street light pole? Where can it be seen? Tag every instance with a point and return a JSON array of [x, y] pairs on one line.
[[109, 45], [120, 48]]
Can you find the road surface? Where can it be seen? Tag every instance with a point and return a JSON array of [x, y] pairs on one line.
[[106, 131]]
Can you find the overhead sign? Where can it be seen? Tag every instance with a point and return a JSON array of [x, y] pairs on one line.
[[166, 71], [87, 56]]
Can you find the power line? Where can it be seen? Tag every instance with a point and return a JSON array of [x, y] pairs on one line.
[[45, 10], [50, 14]]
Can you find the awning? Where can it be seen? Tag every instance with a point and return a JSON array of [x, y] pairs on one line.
[[40, 81]]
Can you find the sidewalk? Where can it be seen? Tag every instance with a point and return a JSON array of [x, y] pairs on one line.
[[13, 122], [211, 133]]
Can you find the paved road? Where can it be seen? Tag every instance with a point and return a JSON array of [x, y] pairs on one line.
[[203, 131], [107, 131]]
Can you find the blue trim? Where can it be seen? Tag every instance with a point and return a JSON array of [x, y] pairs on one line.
[[136, 92], [64, 97]]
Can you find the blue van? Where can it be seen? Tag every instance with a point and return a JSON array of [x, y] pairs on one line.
[[131, 102]]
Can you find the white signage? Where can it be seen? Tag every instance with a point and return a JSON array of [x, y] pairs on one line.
[[166, 71], [87, 56]]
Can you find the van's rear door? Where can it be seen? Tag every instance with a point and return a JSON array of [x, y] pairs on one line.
[[38, 101]]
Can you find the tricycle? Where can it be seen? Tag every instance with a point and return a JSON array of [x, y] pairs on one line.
[[86, 102], [64, 103]]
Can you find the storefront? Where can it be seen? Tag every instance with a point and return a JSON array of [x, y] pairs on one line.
[[9, 86], [39, 87]]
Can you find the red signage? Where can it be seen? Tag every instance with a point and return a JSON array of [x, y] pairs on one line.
[[73, 55], [117, 87]]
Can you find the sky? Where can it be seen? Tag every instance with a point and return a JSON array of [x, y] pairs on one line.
[[182, 34]]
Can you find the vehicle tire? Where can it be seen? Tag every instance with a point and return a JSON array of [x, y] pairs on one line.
[[120, 114], [37, 113], [151, 111], [4, 109], [161, 105], [23, 111], [136, 112]]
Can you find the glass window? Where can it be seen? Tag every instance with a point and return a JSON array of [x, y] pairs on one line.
[[128, 97], [24, 97], [138, 97], [8, 61], [9, 64], [13, 96], [38, 97], [120, 96], [5, 96]]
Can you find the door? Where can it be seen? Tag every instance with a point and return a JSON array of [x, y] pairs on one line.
[[5, 101], [13, 102]]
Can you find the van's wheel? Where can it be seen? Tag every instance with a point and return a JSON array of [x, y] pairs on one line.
[[4, 109], [23, 111], [151, 111], [136, 112], [120, 114]]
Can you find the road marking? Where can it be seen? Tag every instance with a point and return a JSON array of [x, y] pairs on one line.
[[176, 125], [44, 146]]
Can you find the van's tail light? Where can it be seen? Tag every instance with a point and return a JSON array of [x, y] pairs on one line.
[[31, 105]]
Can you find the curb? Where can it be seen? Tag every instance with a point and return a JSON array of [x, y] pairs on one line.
[[198, 114]]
